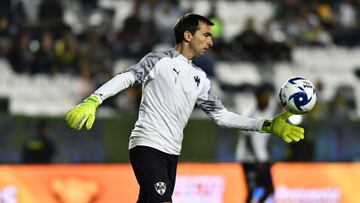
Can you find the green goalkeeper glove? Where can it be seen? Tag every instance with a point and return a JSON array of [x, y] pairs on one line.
[[83, 113], [279, 127]]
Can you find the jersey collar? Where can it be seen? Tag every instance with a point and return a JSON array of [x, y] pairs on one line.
[[183, 58]]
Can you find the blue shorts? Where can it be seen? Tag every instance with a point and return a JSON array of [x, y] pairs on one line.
[[155, 172]]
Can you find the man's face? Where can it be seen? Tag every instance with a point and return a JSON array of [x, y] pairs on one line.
[[201, 41]]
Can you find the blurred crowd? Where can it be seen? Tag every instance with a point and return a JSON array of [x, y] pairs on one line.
[[81, 38], [41, 36]]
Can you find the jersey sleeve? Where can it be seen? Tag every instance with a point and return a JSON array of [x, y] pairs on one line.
[[146, 64], [133, 75], [214, 108], [114, 85]]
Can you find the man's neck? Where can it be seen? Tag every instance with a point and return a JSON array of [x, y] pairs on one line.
[[183, 49]]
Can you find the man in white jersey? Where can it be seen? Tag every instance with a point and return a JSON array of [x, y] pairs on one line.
[[171, 86]]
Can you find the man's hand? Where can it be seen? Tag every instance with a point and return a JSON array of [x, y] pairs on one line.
[[279, 127], [83, 113]]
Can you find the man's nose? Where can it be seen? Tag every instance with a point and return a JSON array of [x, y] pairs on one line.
[[210, 43]]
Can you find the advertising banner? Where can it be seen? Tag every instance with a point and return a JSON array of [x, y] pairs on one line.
[[316, 182], [114, 183]]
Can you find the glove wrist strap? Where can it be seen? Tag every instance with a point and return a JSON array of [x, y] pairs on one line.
[[266, 127], [94, 100]]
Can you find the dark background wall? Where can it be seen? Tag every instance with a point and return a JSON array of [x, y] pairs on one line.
[[204, 141]]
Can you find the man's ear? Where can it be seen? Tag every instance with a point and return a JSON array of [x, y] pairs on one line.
[[187, 36]]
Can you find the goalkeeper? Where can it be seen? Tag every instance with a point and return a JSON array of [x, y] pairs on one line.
[[171, 86]]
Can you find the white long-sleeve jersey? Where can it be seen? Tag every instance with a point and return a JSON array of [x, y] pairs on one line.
[[171, 86]]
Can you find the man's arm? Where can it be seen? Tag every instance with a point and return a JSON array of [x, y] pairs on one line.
[[115, 85], [214, 108], [84, 113], [135, 74], [277, 126]]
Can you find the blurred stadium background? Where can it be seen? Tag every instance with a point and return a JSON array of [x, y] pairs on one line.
[[54, 53]]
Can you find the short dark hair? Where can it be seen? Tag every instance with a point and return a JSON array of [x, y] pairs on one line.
[[188, 22]]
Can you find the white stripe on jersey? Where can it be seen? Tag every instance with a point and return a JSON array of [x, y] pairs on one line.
[[171, 86]]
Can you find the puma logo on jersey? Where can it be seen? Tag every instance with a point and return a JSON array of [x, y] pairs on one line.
[[177, 74], [197, 80], [176, 71]]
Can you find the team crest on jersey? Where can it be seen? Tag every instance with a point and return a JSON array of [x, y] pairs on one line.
[[160, 187], [197, 80]]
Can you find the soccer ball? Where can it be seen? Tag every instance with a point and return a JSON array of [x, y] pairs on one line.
[[297, 95]]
